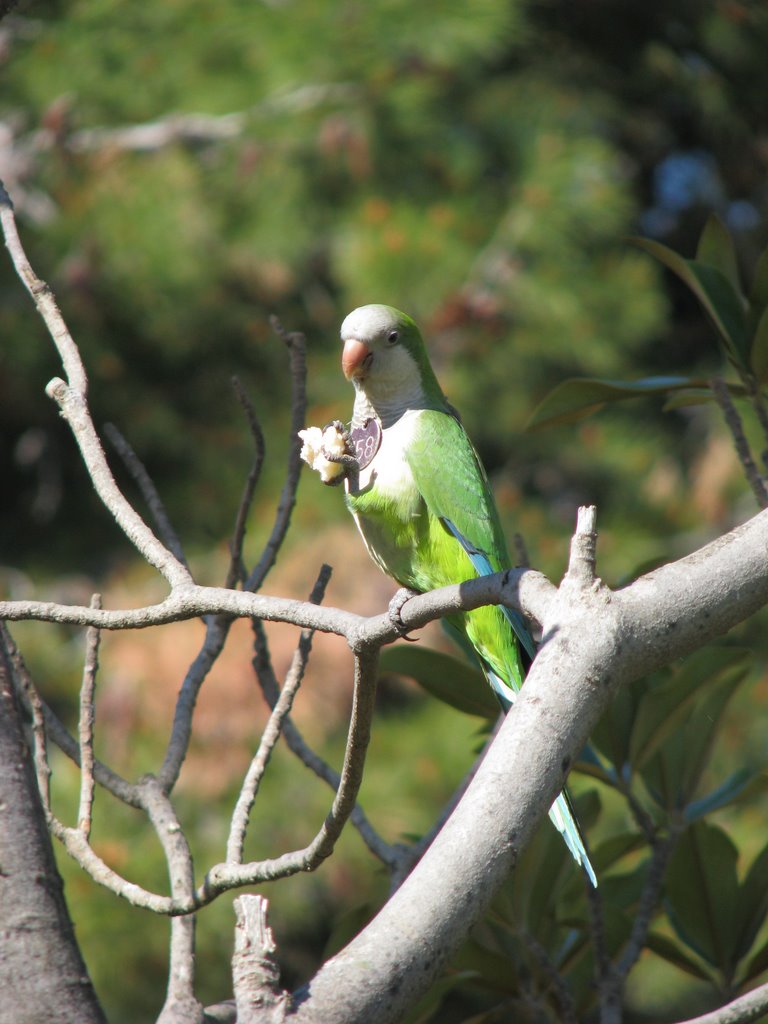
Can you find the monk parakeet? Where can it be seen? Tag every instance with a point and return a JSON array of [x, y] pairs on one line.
[[422, 501]]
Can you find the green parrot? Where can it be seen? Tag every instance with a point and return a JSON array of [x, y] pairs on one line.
[[422, 502]]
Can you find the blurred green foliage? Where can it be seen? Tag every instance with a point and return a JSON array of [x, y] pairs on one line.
[[480, 166]]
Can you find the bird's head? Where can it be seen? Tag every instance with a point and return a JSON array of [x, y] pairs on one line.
[[384, 356]]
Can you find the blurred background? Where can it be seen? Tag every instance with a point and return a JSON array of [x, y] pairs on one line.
[[184, 169]]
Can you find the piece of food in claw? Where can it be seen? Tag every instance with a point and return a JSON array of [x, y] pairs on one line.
[[317, 445]]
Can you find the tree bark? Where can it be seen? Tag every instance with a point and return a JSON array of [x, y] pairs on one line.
[[43, 978]]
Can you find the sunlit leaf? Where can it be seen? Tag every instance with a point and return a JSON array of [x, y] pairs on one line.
[[701, 893], [716, 294], [453, 681], [716, 249], [577, 397]]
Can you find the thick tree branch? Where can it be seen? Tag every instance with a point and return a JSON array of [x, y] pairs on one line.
[[593, 642]]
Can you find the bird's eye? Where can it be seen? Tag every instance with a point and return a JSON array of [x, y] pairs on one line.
[[392, 337]]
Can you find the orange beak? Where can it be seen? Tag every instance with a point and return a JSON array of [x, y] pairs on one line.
[[355, 359]]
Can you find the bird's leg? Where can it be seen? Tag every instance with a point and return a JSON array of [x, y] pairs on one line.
[[396, 606]]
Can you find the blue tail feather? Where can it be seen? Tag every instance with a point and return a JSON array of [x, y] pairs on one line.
[[560, 813]]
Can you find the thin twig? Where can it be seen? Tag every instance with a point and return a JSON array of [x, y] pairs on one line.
[[236, 570], [149, 492], [272, 731], [734, 424], [216, 631], [556, 981], [43, 298], [298, 368], [612, 976], [181, 973], [226, 876], [757, 401], [71, 397], [395, 857], [269, 739], [30, 698], [56, 731], [85, 727]]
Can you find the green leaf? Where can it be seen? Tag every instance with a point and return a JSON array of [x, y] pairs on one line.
[[577, 397], [757, 965], [752, 906], [722, 302], [700, 395], [608, 853], [453, 681], [673, 774], [670, 951], [716, 249], [758, 294], [701, 891], [758, 357], [743, 784], [664, 708]]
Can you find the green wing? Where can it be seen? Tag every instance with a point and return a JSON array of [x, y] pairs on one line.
[[453, 484]]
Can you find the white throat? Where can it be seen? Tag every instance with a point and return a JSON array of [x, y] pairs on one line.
[[390, 390]]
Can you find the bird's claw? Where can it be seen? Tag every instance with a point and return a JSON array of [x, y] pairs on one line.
[[395, 608]]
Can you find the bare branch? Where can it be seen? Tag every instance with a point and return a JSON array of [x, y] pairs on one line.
[[236, 569], [180, 1004], [391, 856], [72, 401], [43, 298], [272, 731], [298, 369], [149, 492], [216, 632], [226, 876], [56, 731], [594, 641], [85, 728]]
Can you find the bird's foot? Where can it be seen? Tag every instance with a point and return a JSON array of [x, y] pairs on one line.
[[395, 608], [340, 451]]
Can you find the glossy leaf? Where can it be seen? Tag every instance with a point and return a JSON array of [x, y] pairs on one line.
[[453, 681], [673, 953], [701, 892], [716, 249], [667, 706], [758, 294], [716, 294], [743, 784], [577, 397], [672, 775], [700, 395], [757, 965], [752, 906], [758, 356]]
